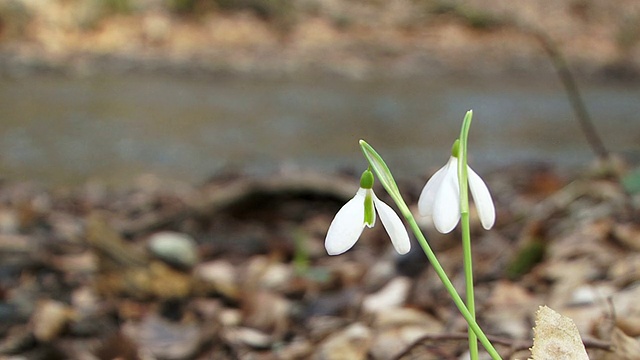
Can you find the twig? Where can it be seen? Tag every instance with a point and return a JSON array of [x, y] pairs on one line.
[[514, 345], [567, 79], [569, 83]]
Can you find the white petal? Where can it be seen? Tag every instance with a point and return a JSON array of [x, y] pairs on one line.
[[482, 199], [394, 226], [446, 205], [428, 194], [347, 225]]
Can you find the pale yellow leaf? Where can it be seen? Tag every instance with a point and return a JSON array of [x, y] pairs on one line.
[[556, 337]]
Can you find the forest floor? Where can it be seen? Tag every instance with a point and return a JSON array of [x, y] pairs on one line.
[[236, 269]]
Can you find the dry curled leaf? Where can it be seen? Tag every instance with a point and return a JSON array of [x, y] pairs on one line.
[[556, 337]]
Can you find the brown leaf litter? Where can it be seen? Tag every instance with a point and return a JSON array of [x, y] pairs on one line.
[[236, 269]]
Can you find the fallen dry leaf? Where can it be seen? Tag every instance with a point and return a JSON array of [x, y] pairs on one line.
[[556, 337]]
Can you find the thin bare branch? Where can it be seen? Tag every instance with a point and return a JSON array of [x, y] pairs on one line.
[[514, 345]]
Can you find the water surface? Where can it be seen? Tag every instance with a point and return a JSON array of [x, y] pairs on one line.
[[61, 130]]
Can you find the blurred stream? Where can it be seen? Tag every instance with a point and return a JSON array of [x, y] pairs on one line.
[[61, 130]]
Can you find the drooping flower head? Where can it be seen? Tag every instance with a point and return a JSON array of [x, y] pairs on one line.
[[360, 211], [440, 198]]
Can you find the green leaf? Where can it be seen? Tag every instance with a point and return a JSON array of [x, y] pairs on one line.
[[461, 146], [383, 173]]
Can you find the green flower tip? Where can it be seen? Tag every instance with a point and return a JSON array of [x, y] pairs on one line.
[[455, 149], [366, 180], [369, 212]]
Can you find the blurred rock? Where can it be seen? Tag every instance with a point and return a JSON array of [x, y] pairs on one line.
[[174, 248]]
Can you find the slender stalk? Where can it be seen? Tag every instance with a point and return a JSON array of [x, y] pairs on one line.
[[468, 276], [466, 233], [473, 325], [573, 93]]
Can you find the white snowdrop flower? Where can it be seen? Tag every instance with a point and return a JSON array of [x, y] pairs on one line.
[[440, 198], [360, 211]]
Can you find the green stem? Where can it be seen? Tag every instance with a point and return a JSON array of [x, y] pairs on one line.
[[468, 276], [466, 233], [473, 325]]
